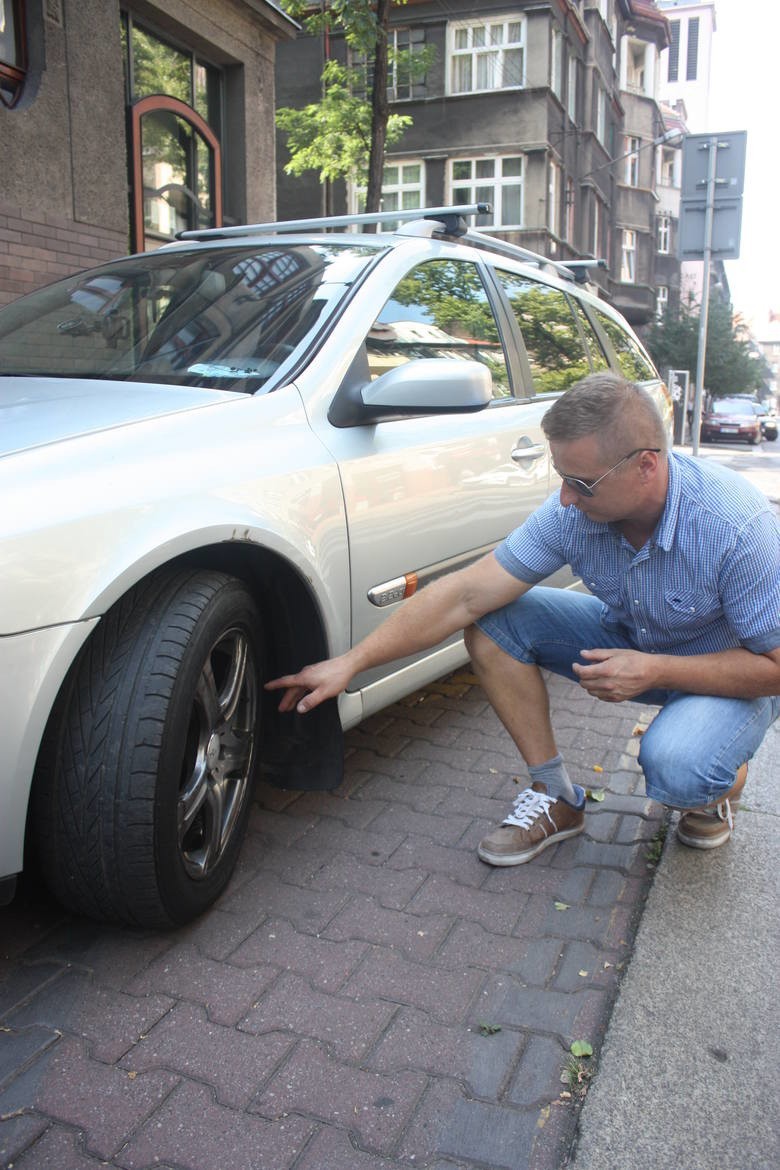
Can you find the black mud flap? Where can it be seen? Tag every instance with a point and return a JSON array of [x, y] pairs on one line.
[[304, 752]]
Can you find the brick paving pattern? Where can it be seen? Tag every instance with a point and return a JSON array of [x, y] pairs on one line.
[[367, 995]]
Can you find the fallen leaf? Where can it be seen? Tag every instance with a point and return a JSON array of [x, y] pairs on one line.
[[638, 730], [597, 794], [597, 768], [561, 905]]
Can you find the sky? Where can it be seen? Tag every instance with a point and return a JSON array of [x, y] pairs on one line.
[[745, 95]]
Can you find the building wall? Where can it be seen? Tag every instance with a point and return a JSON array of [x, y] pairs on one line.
[[64, 176]]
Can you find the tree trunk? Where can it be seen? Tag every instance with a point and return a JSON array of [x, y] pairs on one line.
[[379, 109]]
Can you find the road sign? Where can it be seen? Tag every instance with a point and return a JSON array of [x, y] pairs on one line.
[[713, 179], [729, 169], [726, 228]]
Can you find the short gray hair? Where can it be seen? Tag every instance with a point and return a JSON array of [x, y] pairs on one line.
[[619, 412]]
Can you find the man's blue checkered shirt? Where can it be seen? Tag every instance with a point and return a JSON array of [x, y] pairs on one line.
[[708, 580]]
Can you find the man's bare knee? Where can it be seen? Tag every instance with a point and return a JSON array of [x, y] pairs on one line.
[[478, 644]]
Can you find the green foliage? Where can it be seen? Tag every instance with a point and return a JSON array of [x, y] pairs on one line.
[[333, 136], [729, 367]]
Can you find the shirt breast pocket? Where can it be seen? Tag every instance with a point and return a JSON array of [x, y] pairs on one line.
[[691, 609]]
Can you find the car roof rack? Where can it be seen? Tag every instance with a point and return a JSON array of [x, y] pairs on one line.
[[448, 221], [451, 217]]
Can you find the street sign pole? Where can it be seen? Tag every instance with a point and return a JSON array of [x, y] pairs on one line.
[[709, 215]]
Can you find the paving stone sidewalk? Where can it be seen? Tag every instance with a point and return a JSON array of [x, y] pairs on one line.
[[367, 995]]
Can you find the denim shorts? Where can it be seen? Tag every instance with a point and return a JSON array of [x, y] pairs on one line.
[[694, 746]]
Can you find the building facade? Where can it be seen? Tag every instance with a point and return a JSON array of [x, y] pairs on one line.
[[121, 123], [546, 110]]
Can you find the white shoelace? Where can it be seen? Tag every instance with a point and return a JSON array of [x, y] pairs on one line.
[[528, 807]]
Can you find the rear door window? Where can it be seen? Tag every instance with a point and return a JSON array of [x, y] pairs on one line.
[[598, 358], [554, 343], [633, 361]]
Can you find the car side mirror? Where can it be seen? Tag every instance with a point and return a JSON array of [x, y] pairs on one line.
[[430, 386]]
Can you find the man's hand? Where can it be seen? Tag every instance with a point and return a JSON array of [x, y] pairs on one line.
[[616, 675], [312, 685]]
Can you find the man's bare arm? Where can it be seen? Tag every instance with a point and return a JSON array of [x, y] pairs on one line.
[[425, 620], [616, 675]]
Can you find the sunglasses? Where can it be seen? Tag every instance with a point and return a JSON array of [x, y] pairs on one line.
[[586, 489]]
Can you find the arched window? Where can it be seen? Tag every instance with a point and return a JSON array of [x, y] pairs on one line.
[[176, 171], [175, 102], [13, 51]]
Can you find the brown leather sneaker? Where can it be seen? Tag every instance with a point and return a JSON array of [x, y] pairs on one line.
[[536, 821], [712, 825]]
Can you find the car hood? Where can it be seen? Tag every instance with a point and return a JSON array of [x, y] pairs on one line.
[[38, 411]]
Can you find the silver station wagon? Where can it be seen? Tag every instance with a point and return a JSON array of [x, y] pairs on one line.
[[229, 457]]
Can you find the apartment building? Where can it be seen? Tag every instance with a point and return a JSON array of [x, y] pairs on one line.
[[685, 63], [122, 123], [547, 110]]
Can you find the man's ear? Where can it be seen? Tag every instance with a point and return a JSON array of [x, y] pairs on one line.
[[648, 464]]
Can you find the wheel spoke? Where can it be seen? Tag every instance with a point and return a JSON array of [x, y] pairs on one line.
[[192, 798], [207, 696], [233, 687]]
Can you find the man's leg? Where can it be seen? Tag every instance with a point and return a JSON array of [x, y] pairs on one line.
[[693, 756], [518, 695], [544, 628]]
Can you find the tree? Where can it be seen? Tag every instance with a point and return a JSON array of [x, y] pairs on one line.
[[729, 366], [346, 133]]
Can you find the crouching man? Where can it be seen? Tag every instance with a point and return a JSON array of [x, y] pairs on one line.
[[682, 562]]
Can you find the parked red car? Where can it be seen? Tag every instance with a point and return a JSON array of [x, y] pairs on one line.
[[731, 418]]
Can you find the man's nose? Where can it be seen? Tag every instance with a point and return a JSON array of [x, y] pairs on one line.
[[568, 495]]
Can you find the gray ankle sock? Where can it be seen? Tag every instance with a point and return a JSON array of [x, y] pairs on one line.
[[553, 773]]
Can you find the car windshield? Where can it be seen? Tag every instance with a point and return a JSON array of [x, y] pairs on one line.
[[232, 318], [732, 406]]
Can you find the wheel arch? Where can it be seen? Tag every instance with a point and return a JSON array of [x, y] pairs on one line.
[[296, 752]]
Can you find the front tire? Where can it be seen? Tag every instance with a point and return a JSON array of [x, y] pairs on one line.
[[145, 781]]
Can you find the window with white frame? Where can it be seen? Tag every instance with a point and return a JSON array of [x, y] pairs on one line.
[[668, 168], [486, 55], [403, 189], [405, 78], [599, 229], [498, 181], [631, 151], [403, 186], [571, 95], [570, 210], [628, 259], [556, 62], [664, 234], [405, 68], [554, 197], [634, 54], [661, 300], [601, 114]]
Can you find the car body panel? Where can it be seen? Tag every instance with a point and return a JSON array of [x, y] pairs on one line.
[[103, 482]]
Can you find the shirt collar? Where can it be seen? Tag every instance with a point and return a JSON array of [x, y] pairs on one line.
[[667, 525]]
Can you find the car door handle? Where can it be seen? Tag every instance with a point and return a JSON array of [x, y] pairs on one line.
[[533, 451]]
